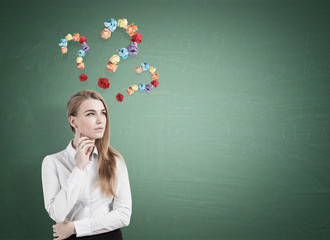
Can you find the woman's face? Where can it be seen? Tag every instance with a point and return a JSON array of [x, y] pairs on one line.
[[91, 119]]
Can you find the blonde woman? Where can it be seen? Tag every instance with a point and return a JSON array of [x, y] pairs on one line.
[[86, 186]]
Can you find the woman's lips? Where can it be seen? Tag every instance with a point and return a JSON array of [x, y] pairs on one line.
[[99, 129]]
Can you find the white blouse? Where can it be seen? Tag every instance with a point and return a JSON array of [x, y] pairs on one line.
[[69, 194]]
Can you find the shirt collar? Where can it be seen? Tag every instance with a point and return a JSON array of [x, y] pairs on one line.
[[72, 151]]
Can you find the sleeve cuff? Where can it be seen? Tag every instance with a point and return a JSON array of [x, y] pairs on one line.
[[76, 176], [83, 227]]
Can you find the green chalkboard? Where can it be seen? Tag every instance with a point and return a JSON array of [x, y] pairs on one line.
[[234, 143]]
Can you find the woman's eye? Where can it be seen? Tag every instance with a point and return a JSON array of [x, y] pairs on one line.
[[89, 114], [104, 113]]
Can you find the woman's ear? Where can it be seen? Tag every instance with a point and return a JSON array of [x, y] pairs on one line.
[[72, 121]]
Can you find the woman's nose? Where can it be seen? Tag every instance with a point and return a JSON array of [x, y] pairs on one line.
[[99, 119]]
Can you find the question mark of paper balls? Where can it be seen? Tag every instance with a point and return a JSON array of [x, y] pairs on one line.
[[122, 53], [81, 53]]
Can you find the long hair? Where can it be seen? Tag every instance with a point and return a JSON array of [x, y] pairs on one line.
[[106, 154]]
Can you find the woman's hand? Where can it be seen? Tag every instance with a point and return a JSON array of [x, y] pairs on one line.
[[63, 230], [84, 147]]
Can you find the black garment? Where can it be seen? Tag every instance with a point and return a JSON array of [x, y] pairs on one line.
[[113, 235]]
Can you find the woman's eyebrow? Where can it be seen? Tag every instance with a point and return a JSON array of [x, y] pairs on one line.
[[92, 110]]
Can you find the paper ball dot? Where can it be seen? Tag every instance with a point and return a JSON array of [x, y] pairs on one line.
[[64, 50], [138, 70]]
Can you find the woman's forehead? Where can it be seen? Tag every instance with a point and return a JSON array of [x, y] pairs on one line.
[[91, 104]]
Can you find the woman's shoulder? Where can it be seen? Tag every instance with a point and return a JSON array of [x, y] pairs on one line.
[[116, 154], [52, 158], [120, 162]]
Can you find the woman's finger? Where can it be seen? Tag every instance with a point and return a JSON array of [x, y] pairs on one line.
[[87, 147], [89, 150], [82, 139], [84, 145]]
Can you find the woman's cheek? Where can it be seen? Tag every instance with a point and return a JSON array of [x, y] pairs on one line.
[[86, 127]]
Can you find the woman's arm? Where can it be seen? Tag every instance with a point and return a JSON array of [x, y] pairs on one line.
[[58, 199], [120, 215]]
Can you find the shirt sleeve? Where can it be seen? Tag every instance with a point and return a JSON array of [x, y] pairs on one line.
[[120, 215], [59, 200]]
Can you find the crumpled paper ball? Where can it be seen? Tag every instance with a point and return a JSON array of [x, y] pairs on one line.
[[145, 66], [111, 24], [81, 65], [122, 23], [76, 37], [64, 50], [83, 77], [82, 39], [81, 53], [105, 33], [123, 53], [135, 87], [154, 76], [120, 97], [84, 47], [103, 83], [155, 83], [148, 87], [68, 37], [111, 67], [132, 48], [130, 91], [152, 70], [79, 59], [115, 58], [131, 29], [137, 38], [63, 43], [138, 69], [142, 87]]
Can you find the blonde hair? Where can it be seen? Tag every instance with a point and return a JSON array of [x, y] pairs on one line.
[[106, 154]]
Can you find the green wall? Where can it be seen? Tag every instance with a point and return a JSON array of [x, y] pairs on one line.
[[234, 143]]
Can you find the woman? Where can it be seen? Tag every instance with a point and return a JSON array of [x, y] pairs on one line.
[[86, 186]]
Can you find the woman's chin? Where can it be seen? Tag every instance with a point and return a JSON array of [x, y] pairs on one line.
[[94, 135], [97, 136]]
